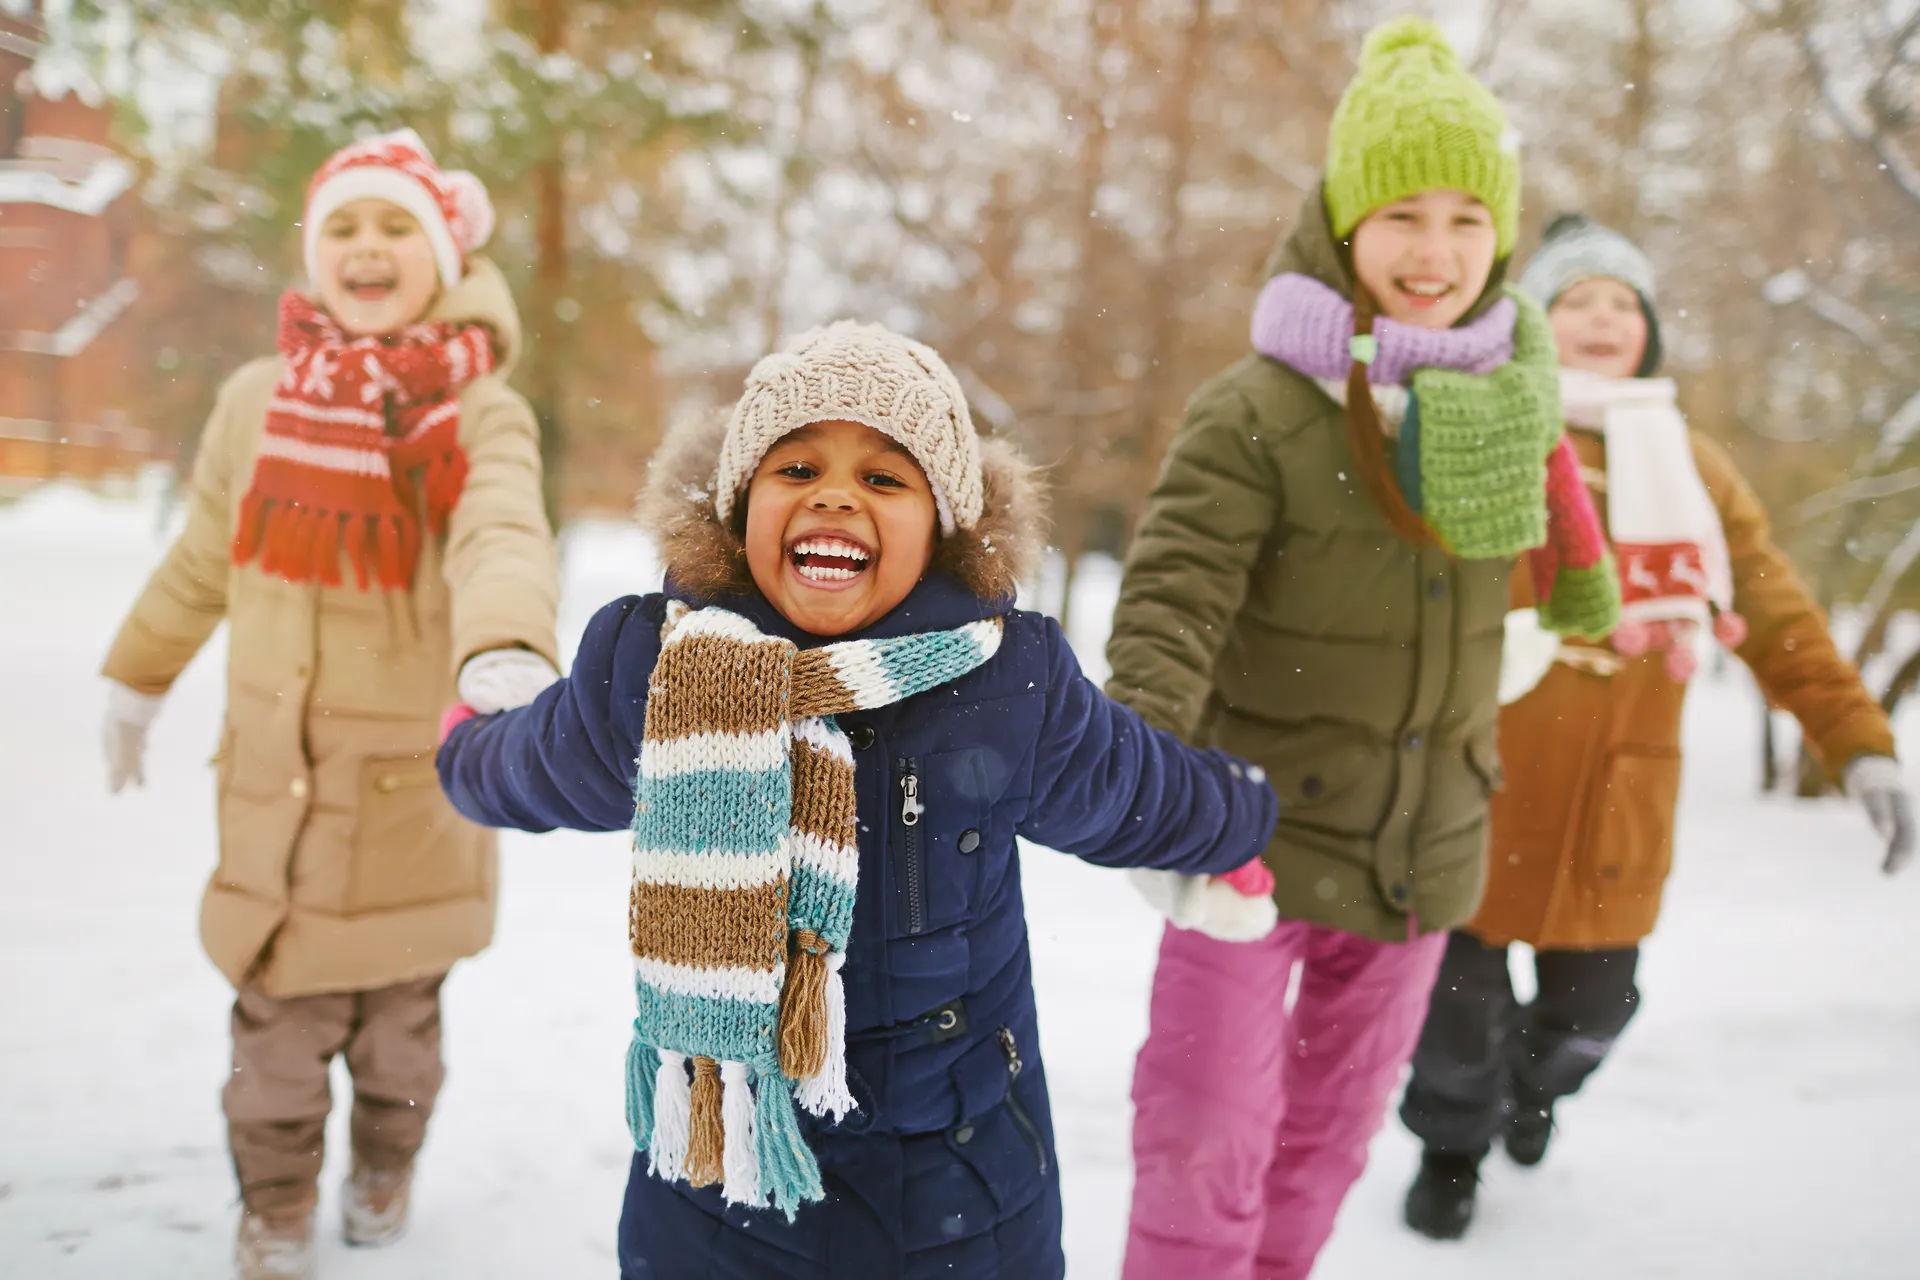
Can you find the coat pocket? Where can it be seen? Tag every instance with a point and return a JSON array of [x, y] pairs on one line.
[[1631, 840], [409, 846], [941, 833]]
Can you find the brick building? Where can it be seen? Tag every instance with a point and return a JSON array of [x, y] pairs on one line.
[[67, 220]]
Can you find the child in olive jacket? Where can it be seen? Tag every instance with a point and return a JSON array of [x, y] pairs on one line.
[[1319, 584]]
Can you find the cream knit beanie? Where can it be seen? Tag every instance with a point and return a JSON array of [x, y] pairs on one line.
[[858, 373]]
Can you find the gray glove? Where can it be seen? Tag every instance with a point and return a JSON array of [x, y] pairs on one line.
[[1876, 781]]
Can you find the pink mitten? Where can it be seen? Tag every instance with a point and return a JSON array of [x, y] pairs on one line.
[[1252, 880], [1632, 638], [457, 714], [1729, 628]]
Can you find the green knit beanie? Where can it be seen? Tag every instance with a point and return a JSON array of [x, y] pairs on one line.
[[1413, 120]]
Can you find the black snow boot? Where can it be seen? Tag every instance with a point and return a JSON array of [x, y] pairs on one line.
[[1440, 1202], [1529, 1129]]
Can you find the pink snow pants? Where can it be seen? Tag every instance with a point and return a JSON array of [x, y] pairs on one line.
[[1250, 1122]]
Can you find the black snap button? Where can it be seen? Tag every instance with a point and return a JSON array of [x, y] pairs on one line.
[[1311, 785], [862, 736], [963, 1135], [1436, 587], [1400, 893], [969, 840], [1413, 742]]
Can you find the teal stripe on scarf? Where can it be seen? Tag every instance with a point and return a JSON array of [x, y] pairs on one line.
[[919, 662], [822, 904], [731, 1030], [717, 812]]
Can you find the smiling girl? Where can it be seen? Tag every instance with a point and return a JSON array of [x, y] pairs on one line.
[[841, 726], [1319, 584], [366, 518], [1582, 837]]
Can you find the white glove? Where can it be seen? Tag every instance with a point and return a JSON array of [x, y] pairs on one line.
[[1876, 781], [124, 734], [501, 679], [1527, 655], [1207, 905]]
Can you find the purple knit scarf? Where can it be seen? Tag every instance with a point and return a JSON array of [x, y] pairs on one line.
[[1302, 323]]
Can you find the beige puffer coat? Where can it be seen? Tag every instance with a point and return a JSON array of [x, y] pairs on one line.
[[342, 867]]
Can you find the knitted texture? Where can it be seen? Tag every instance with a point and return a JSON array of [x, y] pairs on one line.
[[1477, 453], [1484, 440], [1575, 248], [1573, 574], [362, 437], [745, 868], [1414, 120], [1304, 324], [867, 374], [450, 205]]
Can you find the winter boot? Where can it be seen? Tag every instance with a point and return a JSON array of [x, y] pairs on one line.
[[1529, 1129], [275, 1246], [1440, 1202], [374, 1212]]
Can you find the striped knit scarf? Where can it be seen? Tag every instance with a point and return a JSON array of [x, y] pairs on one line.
[[361, 434], [745, 867]]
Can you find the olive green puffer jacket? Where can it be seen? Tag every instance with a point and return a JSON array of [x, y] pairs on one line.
[[1269, 610]]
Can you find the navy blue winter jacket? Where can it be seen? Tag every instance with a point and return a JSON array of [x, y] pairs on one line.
[[948, 1167]]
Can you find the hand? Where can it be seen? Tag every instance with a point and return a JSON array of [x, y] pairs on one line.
[[1207, 904], [124, 734], [1876, 781], [457, 714], [501, 679]]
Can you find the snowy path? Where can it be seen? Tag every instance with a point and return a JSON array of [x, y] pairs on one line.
[[1760, 1120]]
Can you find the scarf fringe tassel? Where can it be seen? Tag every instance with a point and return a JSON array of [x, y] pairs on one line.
[[825, 1092], [715, 1122], [301, 543], [672, 1117]]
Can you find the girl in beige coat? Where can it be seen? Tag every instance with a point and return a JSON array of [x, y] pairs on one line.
[[366, 515]]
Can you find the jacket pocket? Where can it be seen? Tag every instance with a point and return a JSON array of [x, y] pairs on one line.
[[409, 846], [999, 1135], [941, 833], [1630, 845]]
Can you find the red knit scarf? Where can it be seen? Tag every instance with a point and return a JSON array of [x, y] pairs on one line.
[[361, 435]]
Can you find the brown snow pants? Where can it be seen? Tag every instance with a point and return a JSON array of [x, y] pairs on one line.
[[278, 1097]]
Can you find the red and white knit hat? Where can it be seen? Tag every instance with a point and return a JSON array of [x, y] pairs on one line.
[[451, 206]]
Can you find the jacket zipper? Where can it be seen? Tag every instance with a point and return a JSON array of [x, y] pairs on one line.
[[911, 811], [1015, 1107]]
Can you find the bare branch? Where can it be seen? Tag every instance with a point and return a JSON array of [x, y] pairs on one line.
[[1871, 489], [1894, 161]]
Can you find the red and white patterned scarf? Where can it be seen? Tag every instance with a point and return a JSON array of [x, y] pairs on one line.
[[361, 444]]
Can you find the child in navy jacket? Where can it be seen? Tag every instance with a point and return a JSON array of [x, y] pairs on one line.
[[826, 735]]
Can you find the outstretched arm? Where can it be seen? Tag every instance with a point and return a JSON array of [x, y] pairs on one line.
[[567, 759], [1118, 792]]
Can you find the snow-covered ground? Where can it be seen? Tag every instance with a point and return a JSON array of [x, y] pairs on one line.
[[1760, 1119]]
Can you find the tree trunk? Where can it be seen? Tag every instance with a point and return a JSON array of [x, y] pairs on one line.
[[547, 329], [1086, 368], [1153, 428]]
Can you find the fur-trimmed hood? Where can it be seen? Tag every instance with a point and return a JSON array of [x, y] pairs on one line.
[[706, 558]]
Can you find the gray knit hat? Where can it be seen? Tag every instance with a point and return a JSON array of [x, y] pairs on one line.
[[858, 373], [1577, 248]]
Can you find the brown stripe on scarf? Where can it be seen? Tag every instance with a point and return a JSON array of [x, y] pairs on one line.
[[711, 928], [823, 796], [817, 687], [719, 686]]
